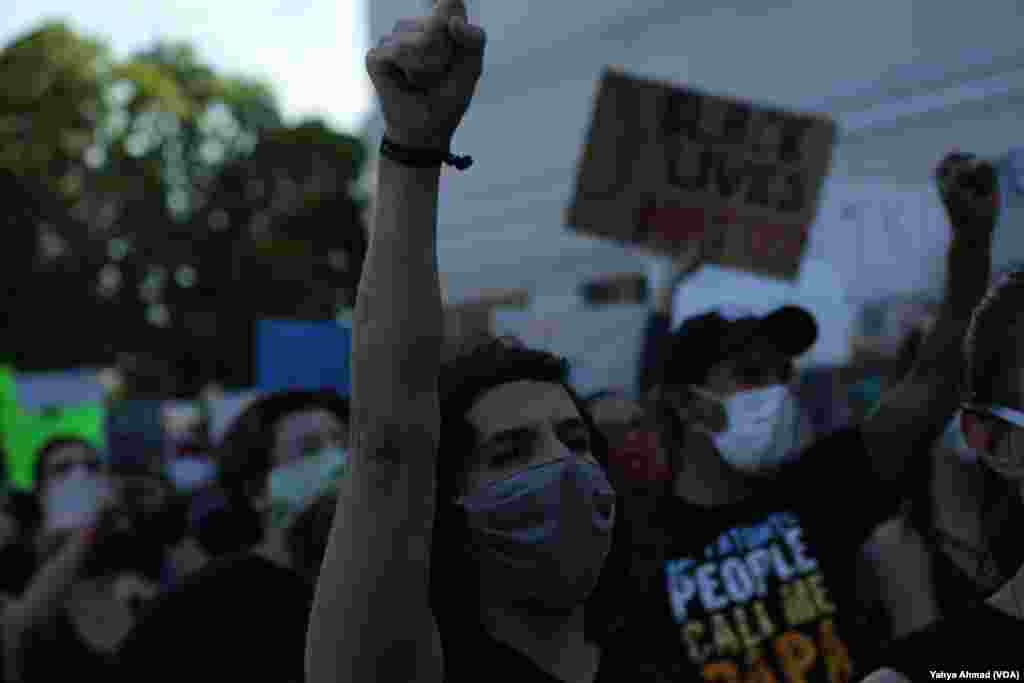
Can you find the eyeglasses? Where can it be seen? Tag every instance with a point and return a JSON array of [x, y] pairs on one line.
[[1011, 415], [1005, 419]]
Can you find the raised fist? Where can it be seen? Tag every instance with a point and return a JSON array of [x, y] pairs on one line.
[[970, 192], [425, 73]]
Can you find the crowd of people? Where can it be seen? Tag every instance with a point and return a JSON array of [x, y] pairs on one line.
[[467, 515]]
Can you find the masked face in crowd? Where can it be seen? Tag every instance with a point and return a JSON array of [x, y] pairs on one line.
[[309, 456], [539, 507], [764, 418], [72, 458], [71, 487]]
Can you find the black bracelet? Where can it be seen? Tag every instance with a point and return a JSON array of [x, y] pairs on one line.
[[422, 158]]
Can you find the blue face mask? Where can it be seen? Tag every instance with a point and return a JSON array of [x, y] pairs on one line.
[[543, 534], [295, 485], [191, 473]]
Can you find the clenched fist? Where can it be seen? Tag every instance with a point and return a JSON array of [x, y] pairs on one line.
[[425, 73], [970, 192]]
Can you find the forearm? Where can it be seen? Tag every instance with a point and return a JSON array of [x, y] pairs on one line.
[[918, 408], [377, 559], [48, 589], [968, 271], [399, 328]]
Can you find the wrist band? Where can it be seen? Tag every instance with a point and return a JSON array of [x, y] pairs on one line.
[[422, 158]]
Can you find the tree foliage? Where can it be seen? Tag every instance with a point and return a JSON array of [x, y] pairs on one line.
[[156, 196]]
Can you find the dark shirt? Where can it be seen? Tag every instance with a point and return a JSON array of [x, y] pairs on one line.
[[241, 618], [505, 663], [980, 640], [56, 651], [767, 584]]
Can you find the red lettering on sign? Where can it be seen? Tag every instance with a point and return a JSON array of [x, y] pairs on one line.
[[672, 225]]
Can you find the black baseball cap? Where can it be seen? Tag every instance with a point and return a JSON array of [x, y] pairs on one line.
[[704, 340]]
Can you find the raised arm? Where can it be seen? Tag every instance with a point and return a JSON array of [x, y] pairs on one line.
[[42, 600], [371, 619], [925, 400], [663, 278]]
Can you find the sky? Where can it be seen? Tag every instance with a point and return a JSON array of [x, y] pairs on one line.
[[310, 51]]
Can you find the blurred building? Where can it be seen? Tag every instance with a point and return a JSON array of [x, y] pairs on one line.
[[907, 80]]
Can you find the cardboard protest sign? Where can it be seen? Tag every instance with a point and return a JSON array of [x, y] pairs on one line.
[[664, 166]]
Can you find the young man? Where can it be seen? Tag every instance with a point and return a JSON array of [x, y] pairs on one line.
[[763, 532], [984, 640], [244, 616], [477, 524]]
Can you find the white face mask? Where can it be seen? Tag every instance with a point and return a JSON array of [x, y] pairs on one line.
[[763, 432], [74, 500], [191, 473]]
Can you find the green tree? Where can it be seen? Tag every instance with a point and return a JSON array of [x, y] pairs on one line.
[[168, 206], [51, 103]]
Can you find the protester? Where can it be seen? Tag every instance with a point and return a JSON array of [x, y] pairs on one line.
[[245, 615], [984, 638], [104, 533], [758, 577], [932, 559], [472, 532]]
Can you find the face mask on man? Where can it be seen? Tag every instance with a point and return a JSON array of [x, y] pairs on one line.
[[73, 500], [192, 472], [763, 432], [295, 485], [543, 534]]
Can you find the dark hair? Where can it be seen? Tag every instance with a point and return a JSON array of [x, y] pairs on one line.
[[47, 449], [481, 365], [244, 455]]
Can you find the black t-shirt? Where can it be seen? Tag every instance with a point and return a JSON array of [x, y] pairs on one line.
[[502, 662], [54, 652], [766, 584], [241, 618], [981, 640]]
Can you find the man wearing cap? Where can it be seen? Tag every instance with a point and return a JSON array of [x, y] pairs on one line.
[[755, 580]]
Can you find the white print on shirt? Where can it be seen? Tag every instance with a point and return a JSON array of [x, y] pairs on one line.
[[757, 605]]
